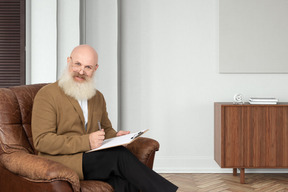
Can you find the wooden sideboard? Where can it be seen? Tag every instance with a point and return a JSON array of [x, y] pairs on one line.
[[250, 136]]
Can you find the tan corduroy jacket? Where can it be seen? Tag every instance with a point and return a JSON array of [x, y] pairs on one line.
[[58, 129]]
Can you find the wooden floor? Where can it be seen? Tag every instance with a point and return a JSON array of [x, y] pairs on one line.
[[214, 182]]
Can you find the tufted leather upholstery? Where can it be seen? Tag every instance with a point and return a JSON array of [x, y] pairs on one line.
[[20, 167]]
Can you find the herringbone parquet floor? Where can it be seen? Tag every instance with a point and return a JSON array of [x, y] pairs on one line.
[[214, 182]]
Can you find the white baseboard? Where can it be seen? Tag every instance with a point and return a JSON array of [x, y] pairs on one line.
[[200, 164]]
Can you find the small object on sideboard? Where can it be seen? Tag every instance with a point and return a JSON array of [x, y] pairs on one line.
[[238, 99], [263, 100]]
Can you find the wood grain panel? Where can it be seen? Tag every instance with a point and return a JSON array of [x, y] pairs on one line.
[[233, 137], [217, 135]]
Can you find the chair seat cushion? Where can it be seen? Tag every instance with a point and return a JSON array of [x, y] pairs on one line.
[[95, 186]]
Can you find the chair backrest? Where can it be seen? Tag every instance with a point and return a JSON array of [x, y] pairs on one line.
[[15, 118]]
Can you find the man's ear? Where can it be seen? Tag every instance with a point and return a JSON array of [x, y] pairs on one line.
[[68, 60], [96, 67]]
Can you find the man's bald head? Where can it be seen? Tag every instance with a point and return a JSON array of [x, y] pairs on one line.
[[85, 51]]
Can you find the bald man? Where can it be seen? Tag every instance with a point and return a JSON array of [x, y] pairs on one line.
[[65, 120]]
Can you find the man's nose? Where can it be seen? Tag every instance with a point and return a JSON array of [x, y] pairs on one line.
[[81, 72]]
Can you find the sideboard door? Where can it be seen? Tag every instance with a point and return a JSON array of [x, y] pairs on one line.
[[266, 136], [233, 136]]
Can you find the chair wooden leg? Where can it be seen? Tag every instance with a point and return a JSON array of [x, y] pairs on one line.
[[234, 171]]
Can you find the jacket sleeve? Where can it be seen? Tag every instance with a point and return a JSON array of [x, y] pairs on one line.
[[44, 129]]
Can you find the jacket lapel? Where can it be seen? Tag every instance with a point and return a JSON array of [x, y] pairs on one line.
[[90, 113]]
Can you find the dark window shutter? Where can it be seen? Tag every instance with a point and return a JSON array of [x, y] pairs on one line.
[[12, 43]]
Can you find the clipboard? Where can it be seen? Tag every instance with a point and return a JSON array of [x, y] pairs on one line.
[[120, 140]]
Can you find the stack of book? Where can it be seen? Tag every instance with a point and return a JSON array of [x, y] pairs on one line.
[[263, 100]]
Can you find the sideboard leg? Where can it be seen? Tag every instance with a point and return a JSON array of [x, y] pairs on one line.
[[242, 175], [234, 171]]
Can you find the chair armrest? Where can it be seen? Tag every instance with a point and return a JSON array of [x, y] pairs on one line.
[[144, 149], [39, 169]]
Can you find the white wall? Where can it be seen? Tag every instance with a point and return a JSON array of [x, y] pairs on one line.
[[170, 77], [68, 32], [101, 33], [52, 31], [43, 41]]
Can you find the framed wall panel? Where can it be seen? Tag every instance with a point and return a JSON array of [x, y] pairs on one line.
[[253, 36]]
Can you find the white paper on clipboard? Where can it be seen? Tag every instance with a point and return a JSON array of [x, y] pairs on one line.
[[120, 140]]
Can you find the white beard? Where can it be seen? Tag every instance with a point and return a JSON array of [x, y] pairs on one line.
[[79, 91]]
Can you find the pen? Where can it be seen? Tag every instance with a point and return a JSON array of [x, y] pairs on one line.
[[99, 125], [137, 135]]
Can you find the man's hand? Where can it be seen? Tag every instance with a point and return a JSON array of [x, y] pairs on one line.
[[96, 138], [119, 133]]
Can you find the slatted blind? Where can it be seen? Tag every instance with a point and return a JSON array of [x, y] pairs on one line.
[[12, 42]]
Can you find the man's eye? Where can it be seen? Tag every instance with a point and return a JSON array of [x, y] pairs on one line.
[[88, 67], [78, 64]]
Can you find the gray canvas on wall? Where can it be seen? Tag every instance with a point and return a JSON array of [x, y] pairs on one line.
[[253, 36]]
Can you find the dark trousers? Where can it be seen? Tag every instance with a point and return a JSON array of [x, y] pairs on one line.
[[123, 171]]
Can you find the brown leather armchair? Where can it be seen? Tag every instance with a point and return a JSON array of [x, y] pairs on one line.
[[20, 167]]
